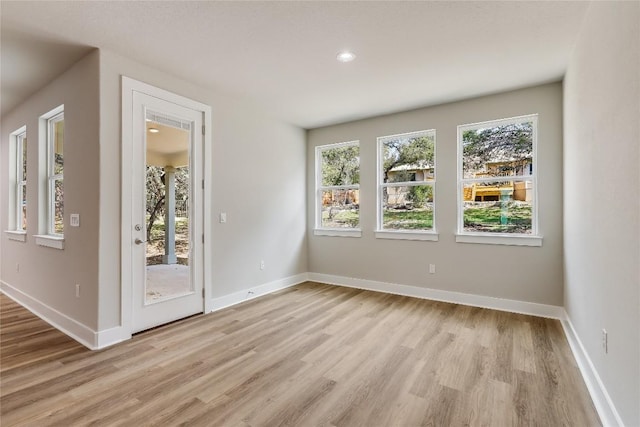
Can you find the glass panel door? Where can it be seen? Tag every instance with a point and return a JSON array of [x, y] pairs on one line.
[[167, 212], [167, 208]]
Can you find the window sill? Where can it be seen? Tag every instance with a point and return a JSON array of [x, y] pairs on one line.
[[18, 236], [337, 232], [500, 239], [49, 241], [407, 235]]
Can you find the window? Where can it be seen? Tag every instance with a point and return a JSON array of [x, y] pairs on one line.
[[21, 182], [18, 185], [55, 156], [338, 189], [51, 185], [497, 182], [406, 182]]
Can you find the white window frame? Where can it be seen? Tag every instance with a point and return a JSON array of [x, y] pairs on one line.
[[533, 239], [46, 224], [52, 177], [326, 231], [381, 233], [18, 186]]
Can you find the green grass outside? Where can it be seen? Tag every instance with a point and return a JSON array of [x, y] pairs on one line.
[[488, 219], [416, 219], [157, 230], [483, 218], [155, 246], [347, 218]]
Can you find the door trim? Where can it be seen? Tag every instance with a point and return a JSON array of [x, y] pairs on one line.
[[126, 225]]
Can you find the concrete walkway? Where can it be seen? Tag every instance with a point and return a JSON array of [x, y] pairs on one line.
[[165, 280]]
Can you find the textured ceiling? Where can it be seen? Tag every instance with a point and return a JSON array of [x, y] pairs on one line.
[[281, 55]]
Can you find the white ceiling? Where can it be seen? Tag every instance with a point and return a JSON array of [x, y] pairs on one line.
[[281, 55]]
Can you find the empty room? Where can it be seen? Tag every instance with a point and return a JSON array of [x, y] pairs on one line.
[[313, 213]]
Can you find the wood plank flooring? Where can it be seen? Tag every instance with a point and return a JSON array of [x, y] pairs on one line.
[[311, 355]]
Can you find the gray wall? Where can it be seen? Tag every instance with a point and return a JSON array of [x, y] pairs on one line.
[[601, 222], [532, 274], [46, 274], [258, 180]]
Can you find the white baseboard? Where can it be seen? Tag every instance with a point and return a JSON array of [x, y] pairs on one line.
[[98, 340], [513, 306], [118, 334], [601, 400], [255, 292], [111, 336], [108, 337], [74, 329]]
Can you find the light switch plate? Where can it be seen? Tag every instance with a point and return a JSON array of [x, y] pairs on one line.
[[74, 220]]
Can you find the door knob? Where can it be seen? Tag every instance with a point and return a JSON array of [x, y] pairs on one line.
[[139, 242]]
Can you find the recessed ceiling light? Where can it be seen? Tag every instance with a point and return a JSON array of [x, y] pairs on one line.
[[346, 56], [154, 130]]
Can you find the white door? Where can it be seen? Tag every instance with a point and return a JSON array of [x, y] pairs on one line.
[[167, 212]]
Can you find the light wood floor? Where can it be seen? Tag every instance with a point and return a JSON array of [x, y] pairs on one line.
[[311, 355]]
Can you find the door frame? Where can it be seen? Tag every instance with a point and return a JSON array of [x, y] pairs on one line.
[[129, 86]]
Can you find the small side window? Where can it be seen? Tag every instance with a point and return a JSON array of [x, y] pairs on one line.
[[338, 189]]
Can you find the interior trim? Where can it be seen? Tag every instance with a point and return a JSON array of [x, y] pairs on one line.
[[513, 306], [601, 400], [65, 324]]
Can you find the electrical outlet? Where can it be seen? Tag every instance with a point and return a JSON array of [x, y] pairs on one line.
[[432, 269], [262, 265], [77, 290], [605, 341], [74, 220]]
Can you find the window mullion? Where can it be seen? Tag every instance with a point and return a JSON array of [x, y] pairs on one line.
[[497, 179], [408, 184], [339, 187]]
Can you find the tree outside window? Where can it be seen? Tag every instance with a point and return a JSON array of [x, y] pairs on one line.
[[56, 174], [21, 182], [406, 181], [497, 177], [338, 186]]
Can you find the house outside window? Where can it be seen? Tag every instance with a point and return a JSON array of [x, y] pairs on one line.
[[338, 189], [497, 180], [406, 186]]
